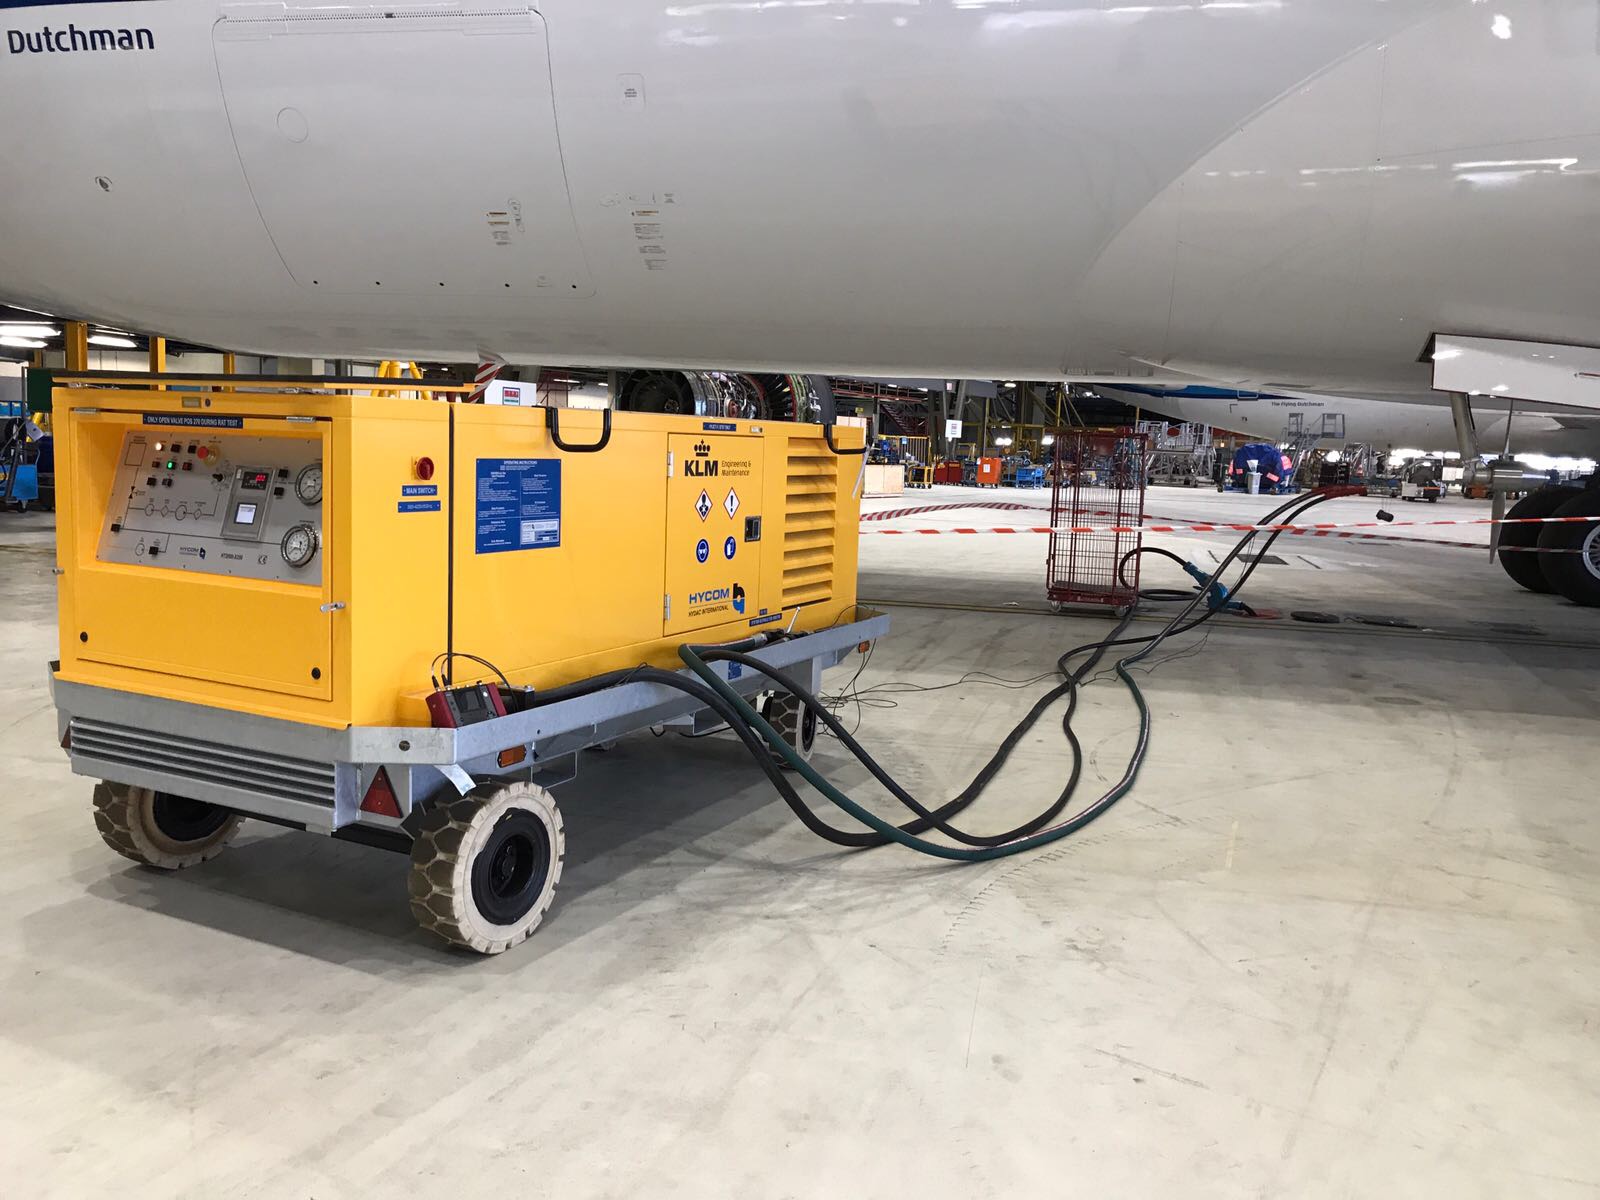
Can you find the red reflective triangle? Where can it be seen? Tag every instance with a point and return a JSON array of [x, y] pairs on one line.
[[380, 796]]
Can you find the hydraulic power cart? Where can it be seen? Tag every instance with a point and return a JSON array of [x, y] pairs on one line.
[[399, 620]]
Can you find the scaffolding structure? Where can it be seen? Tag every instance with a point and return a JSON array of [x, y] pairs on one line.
[[1182, 453]]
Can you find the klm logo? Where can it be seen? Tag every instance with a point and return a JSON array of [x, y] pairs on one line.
[[703, 468], [715, 595], [72, 40]]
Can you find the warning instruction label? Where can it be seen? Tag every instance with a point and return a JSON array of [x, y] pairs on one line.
[[518, 504]]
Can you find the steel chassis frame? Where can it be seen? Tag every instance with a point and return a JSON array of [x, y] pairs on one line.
[[314, 778]]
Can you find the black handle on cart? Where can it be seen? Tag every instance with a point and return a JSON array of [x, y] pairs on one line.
[[553, 423], [827, 436]]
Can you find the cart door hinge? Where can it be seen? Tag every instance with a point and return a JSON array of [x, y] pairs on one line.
[[332, 606], [669, 464], [666, 607]]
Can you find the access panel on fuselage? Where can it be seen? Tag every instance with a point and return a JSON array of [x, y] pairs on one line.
[[362, 130]]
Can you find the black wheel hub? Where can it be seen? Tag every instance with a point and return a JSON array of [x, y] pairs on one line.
[[510, 871], [185, 820], [808, 727]]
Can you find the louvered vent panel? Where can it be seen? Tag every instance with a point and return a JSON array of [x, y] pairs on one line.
[[810, 493]]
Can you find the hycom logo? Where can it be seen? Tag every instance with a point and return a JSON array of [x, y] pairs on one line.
[[738, 599], [701, 465], [72, 40], [713, 596]]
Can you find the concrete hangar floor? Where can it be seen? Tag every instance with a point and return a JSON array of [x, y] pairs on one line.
[[1343, 940]]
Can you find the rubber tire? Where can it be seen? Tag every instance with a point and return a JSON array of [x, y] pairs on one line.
[[797, 723], [1526, 569], [1574, 575], [126, 819], [449, 838]]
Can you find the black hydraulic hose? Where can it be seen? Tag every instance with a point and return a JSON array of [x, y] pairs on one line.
[[758, 750], [751, 739], [1079, 820], [1173, 628], [939, 818], [1156, 594], [757, 735]]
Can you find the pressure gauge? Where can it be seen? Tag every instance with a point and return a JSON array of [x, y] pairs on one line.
[[299, 546], [308, 485]]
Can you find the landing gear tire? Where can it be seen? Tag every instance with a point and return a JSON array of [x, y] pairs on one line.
[[790, 716], [484, 868], [1524, 567], [161, 830], [1574, 572]]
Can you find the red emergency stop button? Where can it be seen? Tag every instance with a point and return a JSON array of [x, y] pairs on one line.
[[423, 468]]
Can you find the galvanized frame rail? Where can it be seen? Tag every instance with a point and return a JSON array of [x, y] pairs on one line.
[[315, 777]]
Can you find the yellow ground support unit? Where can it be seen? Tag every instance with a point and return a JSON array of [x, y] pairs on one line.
[[307, 555], [261, 581]]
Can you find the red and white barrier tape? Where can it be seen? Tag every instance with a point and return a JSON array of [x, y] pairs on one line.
[[1329, 530], [1229, 527]]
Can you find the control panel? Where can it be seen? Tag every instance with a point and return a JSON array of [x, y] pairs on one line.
[[222, 505]]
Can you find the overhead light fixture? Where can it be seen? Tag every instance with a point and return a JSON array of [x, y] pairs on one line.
[[18, 329], [20, 343], [112, 341], [1049, 439]]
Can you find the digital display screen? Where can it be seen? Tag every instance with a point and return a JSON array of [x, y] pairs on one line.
[[255, 481], [245, 514]]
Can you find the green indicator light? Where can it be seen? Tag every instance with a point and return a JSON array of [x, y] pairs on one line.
[[171, 466]]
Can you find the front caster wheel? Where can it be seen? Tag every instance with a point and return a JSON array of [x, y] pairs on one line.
[[790, 716], [161, 830], [484, 868]]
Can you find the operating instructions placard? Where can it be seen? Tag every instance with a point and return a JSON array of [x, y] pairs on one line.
[[518, 504]]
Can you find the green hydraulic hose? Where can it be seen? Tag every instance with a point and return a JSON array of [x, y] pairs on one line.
[[783, 749], [893, 832]]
